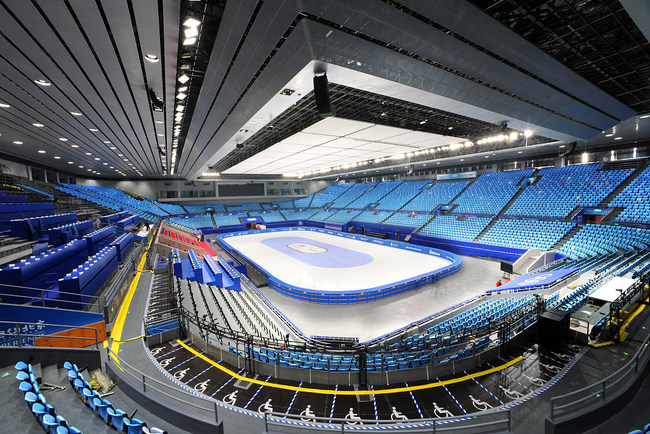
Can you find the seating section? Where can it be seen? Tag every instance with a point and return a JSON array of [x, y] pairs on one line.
[[595, 240], [89, 277], [62, 234], [342, 216], [298, 215], [322, 215], [527, 234], [562, 189], [192, 222], [34, 228], [304, 202], [272, 216], [374, 194], [403, 219], [373, 216], [331, 192], [21, 210], [490, 192], [200, 209], [45, 413], [635, 199], [352, 194], [242, 206], [401, 195], [440, 193], [451, 226], [285, 204]]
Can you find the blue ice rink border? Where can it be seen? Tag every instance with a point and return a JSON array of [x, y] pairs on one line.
[[359, 295]]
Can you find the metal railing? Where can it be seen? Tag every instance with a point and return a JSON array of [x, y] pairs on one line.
[[582, 401], [498, 420], [39, 298], [30, 326]]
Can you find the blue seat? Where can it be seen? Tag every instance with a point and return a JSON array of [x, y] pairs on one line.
[[67, 365], [62, 430], [72, 375], [21, 366], [22, 376], [78, 384], [86, 395], [74, 430], [101, 408], [133, 426], [25, 386], [61, 421], [93, 401], [50, 423], [31, 398], [39, 411], [117, 418]]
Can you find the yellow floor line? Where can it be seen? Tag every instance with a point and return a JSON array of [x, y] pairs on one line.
[[351, 392], [623, 334], [118, 326], [601, 344]]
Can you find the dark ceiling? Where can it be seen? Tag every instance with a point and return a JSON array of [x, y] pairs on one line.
[[597, 39]]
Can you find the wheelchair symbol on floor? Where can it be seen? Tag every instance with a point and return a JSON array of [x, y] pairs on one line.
[[266, 407], [181, 374], [512, 394], [396, 415], [200, 387], [166, 362], [441, 412], [479, 405], [551, 368], [536, 381], [307, 415], [561, 356], [231, 398], [155, 351], [353, 419]]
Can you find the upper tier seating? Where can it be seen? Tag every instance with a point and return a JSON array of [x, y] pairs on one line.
[[304, 202], [402, 194], [114, 199], [373, 194], [200, 209], [193, 222], [447, 226], [635, 199], [243, 206], [331, 192], [228, 219], [603, 240], [373, 216], [404, 219], [342, 216], [272, 216], [440, 193], [562, 189], [322, 215], [352, 194], [490, 192], [285, 204], [527, 234]]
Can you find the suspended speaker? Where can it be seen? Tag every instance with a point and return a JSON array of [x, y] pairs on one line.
[[322, 95]]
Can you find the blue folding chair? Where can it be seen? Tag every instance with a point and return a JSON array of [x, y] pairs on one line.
[[75, 430], [21, 366], [117, 418], [133, 426], [67, 365], [22, 376], [31, 398], [93, 402], [72, 375], [78, 384], [86, 395], [62, 430], [25, 387], [50, 424], [39, 411], [101, 408]]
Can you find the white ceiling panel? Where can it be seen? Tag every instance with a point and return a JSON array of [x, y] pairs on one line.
[[378, 132], [337, 127]]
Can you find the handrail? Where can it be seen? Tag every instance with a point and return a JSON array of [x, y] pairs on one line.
[[20, 335], [601, 390]]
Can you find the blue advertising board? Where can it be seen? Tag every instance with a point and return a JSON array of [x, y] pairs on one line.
[[536, 280]]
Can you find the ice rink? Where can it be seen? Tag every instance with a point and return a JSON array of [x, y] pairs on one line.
[[326, 263]]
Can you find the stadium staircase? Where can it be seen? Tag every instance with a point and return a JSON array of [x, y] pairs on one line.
[[640, 166], [147, 200], [460, 193], [185, 209], [426, 187], [487, 229], [567, 237], [214, 223]]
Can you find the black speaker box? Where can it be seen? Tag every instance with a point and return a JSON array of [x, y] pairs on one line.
[[322, 96], [553, 329]]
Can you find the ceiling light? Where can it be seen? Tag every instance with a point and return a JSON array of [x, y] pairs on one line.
[[450, 128], [70, 162], [120, 155], [96, 159], [105, 164], [191, 22], [151, 58], [88, 153], [57, 157], [81, 167], [41, 151], [189, 41], [74, 146], [519, 152], [94, 130], [514, 135], [182, 89], [618, 138], [18, 142], [644, 116], [90, 170], [468, 144], [107, 142], [183, 79], [180, 108], [528, 133], [4, 105], [111, 167], [181, 96], [113, 147], [75, 114], [161, 135], [41, 82], [609, 135], [63, 139], [160, 122], [423, 122], [191, 32], [36, 124]]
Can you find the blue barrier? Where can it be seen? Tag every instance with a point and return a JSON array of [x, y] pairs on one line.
[[123, 243], [42, 270], [217, 274], [35, 227], [112, 218], [13, 198], [360, 295], [469, 248], [89, 276], [13, 211], [126, 224], [232, 280], [99, 239], [62, 234]]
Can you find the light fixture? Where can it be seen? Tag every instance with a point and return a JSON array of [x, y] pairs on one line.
[[74, 146], [514, 135], [609, 135], [160, 122], [192, 22], [94, 130], [113, 147], [183, 79], [161, 135], [37, 125], [17, 142], [4, 105], [644, 117], [528, 133], [96, 159], [56, 157], [189, 41], [450, 128], [75, 114], [107, 142], [63, 139], [105, 164], [618, 138], [180, 108], [181, 96], [81, 167], [182, 89], [89, 153], [70, 162], [151, 58], [191, 32], [42, 82], [41, 151]]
